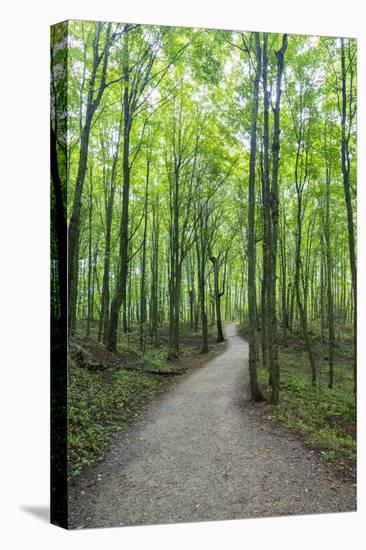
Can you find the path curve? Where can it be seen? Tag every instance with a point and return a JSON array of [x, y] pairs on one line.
[[199, 454]]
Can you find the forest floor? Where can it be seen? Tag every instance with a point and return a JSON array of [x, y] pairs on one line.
[[325, 419], [105, 389], [201, 451]]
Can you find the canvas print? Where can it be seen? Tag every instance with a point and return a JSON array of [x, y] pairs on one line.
[[203, 274]]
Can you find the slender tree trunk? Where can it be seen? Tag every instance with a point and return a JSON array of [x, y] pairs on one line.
[[284, 294], [201, 261], [267, 225], [93, 102], [119, 297], [105, 299], [329, 268], [301, 308], [218, 294], [143, 266], [61, 229], [155, 274], [90, 263], [175, 273], [256, 394], [104, 315], [346, 166], [322, 286], [273, 237]]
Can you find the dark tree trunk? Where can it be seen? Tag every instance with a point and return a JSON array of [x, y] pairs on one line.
[[104, 314], [301, 176], [300, 305], [93, 102], [267, 226], [256, 394], [273, 237], [175, 270], [143, 265], [202, 291], [119, 297], [61, 231], [154, 274], [284, 293], [90, 259], [105, 299], [346, 166], [218, 294], [329, 270]]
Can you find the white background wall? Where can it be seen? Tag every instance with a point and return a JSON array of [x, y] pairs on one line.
[[24, 220]]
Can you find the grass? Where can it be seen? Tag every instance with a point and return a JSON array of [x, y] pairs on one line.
[[98, 406], [325, 417]]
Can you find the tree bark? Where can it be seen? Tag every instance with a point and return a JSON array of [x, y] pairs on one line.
[[329, 269], [155, 273], [90, 259], [120, 291], [93, 102], [256, 394], [346, 167], [143, 264], [218, 294], [273, 237]]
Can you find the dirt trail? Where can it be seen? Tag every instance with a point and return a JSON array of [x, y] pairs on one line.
[[197, 453]]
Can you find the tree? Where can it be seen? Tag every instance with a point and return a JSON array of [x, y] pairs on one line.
[[212, 178], [94, 96], [348, 110], [255, 391]]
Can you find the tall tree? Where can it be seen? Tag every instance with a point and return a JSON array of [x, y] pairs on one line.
[[348, 112], [100, 57], [255, 391], [274, 206]]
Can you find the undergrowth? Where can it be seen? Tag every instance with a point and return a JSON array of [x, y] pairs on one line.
[[98, 405], [325, 417], [105, 388]]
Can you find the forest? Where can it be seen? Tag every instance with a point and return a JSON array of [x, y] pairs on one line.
[[199, 178]]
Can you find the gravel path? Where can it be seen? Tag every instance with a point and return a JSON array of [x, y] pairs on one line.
[[197, 453]]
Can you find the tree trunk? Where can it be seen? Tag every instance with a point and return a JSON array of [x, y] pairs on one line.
[[90, 263], [121, 284], [201, 254], [143, 266], [301, 308], [273, 237], [218, 294], [346, 166], [61, 229], [155, 274], [74, 226], [256, 394], [329, 263]]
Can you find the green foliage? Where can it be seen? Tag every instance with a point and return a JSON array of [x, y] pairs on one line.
[[326, 417], [102, 396], [190, 95], [98, 405], [155, 359]]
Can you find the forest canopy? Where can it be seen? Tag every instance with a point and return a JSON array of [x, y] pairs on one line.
[[204, 176]]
